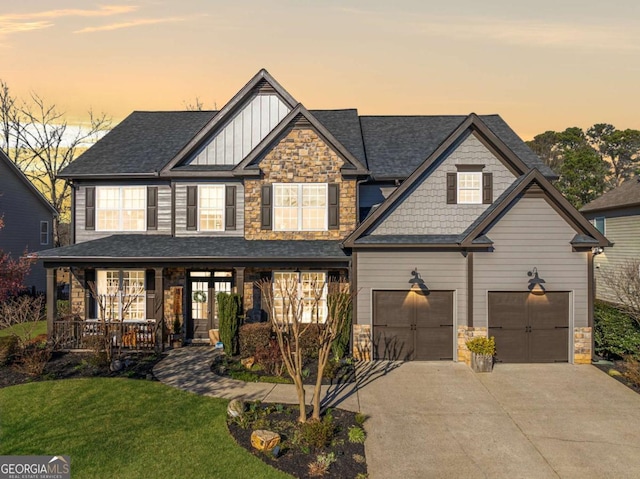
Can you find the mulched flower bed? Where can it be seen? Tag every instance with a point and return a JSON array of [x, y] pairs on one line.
[[64, 365], [342, 372], [618, 371], [297, 453]]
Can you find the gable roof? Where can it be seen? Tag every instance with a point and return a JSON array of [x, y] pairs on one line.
[[139, 145], [228, 111], [21, 177], [624, 196], [352, 165], [471, 124], [397, 145]]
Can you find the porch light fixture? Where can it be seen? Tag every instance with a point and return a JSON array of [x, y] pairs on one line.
[[417, 283], [535, 283]]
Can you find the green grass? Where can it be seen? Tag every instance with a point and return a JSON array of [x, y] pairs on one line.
[[121, 428], [21, 329]]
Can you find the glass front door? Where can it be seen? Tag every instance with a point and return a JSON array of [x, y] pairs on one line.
[[203, 286]]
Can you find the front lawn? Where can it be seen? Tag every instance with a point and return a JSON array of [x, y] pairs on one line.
[[121, 428], [21, 329]]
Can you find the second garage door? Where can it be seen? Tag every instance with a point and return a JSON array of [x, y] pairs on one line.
[[411, 326], [530, 328]]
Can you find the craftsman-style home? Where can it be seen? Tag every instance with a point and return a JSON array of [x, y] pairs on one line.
[[435, 220]]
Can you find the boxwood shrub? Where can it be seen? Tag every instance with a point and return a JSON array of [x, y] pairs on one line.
[[616, 334]]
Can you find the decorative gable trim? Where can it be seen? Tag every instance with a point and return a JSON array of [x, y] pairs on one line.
[[471, 125], [300, 117], [261, 82], [534, 184]]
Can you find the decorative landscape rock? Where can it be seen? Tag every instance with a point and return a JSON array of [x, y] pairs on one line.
[[264, 440], [235, 408], [248, 362], [116, 366]]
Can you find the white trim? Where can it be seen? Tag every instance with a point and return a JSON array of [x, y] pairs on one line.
[[479, 189], [120, 207], [300, 207], [199, 205]]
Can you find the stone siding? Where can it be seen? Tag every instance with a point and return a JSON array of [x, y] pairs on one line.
[[174, 299], [582, 345], [77, 298], [362, 345], [300, 157]]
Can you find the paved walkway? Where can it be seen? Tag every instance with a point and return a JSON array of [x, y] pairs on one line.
[[189, 368]]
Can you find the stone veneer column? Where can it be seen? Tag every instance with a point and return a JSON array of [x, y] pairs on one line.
[[362, 344], [582, 345], [465, 333], [76, 301]]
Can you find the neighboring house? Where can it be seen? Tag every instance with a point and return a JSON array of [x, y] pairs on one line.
[[616, 214], [185, 204], [28, 219]]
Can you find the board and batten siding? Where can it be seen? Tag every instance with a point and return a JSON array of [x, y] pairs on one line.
[[425, 210], [531, 234], [243, 132], [181, 211], [164, 214], [624, 232], [380, 270]]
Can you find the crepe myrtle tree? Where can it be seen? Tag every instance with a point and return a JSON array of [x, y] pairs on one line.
[[13, 272], [293, 317], [624, 282]]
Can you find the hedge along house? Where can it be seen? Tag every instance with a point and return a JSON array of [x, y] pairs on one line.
[[172, 207]]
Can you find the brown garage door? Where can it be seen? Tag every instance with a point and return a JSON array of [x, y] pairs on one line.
[[409, 326], [530, 328]]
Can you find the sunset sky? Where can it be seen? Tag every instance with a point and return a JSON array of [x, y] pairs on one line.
[[541, 65]]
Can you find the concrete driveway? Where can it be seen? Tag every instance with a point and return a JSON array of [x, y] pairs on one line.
[[530, 421]]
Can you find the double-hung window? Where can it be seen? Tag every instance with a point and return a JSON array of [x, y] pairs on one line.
[[44, 232], [307, 287], [300, 207], [600, 223], [470, 187], [121, 208], [211, 208], [121, 295]]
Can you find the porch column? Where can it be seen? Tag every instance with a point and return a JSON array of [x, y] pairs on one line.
[[239, 273], [51, 299], [159, 307]]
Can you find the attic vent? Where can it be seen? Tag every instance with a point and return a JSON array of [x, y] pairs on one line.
[[301, 122], [263, 86]]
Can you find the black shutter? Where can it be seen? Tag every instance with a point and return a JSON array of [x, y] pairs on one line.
[[192, 207], [90, 309], [90, 208], [487, 188], [152, 207], [452, 185], [334, 206], [265, 208], [230, 208], [150, 293]]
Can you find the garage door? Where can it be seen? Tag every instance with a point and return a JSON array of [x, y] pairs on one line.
[[410, 326], [530, 328]]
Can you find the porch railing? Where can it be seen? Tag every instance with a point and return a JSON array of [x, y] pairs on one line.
[[126, 335]]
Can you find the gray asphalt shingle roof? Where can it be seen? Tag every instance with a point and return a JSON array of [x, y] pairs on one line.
[[625, 195], [390, 146], [167, 248]]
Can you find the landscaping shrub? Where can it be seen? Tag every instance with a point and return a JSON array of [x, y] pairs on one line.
[[229, 312], [269, 358], [482, 345], [616, 334], [309, 342], [34, 356], [63, 308], [253, 337], [317, 434], [357, 435], [340, 347], [8, 348], [632, 371]]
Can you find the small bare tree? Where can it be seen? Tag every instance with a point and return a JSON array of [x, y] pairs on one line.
[[624, 282], [294, 316]]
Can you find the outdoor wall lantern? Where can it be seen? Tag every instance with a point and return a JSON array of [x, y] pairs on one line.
[[417, 283], [535, 283]]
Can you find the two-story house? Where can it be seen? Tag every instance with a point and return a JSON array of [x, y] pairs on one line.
[[435, 221], [27, 217]]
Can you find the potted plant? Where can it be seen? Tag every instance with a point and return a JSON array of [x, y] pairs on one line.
[[176, 337], [482, 351]]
